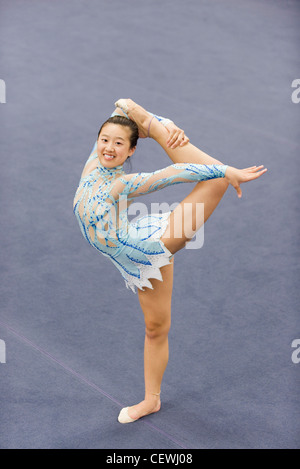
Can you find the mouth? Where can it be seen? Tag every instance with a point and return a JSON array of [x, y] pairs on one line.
[[108, 157]]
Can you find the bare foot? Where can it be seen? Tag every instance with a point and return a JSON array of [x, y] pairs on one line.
[[138, 114]]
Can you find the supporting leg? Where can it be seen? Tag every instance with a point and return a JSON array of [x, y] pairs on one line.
[[156, 306]]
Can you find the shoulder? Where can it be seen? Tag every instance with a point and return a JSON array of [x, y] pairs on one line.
[[91, 163]]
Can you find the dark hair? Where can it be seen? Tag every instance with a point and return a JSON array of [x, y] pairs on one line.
[[120, 120]]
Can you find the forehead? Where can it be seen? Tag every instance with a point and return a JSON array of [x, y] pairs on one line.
[[115, 131]]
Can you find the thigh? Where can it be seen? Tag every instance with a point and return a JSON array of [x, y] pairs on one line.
[[156, 303]]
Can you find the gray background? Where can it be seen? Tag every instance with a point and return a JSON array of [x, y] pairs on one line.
[[222, 70]]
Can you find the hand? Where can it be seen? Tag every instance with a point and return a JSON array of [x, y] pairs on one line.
[[176, 136], [237, 176]]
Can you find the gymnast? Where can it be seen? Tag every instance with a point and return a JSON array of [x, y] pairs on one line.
[[143, 250]]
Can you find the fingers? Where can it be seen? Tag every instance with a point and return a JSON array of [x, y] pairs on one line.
[[237, 176], [258, 168], [177, 138], [254, 172], [238, 190], [260, 173], [250, 167], [184, 141], [254, 168], [257, 173]]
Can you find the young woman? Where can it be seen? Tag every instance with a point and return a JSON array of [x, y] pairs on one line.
[[143, 251]]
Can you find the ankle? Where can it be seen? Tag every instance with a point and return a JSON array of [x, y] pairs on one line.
[[140, 116], [152, 397]]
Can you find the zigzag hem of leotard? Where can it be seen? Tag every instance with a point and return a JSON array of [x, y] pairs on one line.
[[157, 261]]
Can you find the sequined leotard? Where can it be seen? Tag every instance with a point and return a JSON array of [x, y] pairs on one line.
[[101, 208]]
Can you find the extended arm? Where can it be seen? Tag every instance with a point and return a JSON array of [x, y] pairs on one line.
[[134, 185]]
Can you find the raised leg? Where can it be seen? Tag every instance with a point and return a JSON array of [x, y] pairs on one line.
[[186, 154], [185, 221], [208, 192]]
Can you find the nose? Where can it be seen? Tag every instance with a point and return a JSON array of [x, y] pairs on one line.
[[109, 147]]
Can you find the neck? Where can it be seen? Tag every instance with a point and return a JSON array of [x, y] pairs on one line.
[[114, 170]]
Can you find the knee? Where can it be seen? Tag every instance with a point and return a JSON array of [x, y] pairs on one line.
[[157, 329]]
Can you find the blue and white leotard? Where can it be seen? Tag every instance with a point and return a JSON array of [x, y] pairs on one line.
[[101, 208]]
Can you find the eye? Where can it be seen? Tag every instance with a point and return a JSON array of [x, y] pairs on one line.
[[104, 139], [119, 143]]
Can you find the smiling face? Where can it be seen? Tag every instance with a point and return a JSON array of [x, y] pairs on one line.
[[113, 145]]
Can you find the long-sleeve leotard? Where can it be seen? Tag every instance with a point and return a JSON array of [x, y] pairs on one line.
[[102, 213], [98, 195], [138, 184]]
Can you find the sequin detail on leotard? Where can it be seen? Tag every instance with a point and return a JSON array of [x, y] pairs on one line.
[[101, 208]]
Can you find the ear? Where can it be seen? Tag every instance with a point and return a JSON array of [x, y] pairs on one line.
[[131, 151]]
